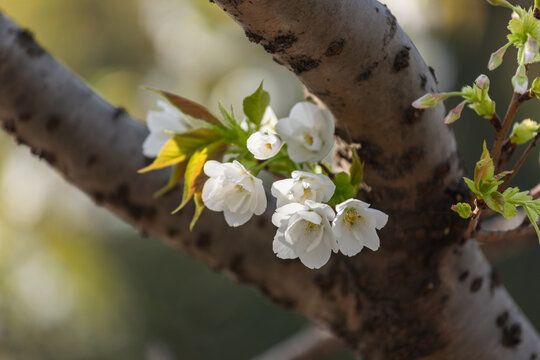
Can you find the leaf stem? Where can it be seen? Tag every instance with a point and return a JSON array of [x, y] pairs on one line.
[[520, 162], [475, 217], [255, 170]]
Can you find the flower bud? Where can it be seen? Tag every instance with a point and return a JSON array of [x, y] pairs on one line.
[[429, 100], [455, 113], [530, 50], [524, 131], [482, 82], [500, 3], [496, 58], [520, 81]]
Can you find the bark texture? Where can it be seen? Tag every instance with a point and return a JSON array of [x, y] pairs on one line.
[[427, 293]]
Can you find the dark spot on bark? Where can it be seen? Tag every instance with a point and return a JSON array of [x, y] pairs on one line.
[[237, 267], [335, 48], [98, 197], [52, 124], [280, 43], [370, 153], [303, 63], [423, 80], [463, 276], [413, 115], [432, 71], [476, 284], [20, 141], [397, 276], [401, 61], [45, 155], [392, 27], [409, 159], [511, 335], [324, 282], [253, 37], [428, 287], [277, 61], [533, 355], [118, 112], [444, 298], [366, 74], [442, 170], [502, 319], [121, 196], [92, 160], [25, 39], [24, 117], [377, 9], [261, 223], [494, 279], [172, 232], [9, 126], [204, 240]]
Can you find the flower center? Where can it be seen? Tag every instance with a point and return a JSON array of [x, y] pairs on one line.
[[268, 146], [309, 227], [308, 138], [351, 216]]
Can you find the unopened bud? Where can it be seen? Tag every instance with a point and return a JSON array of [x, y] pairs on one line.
[[524, 131], [429, 100], [482, 82], [530, 50], [455, 113], [520, 81], [496, 58]]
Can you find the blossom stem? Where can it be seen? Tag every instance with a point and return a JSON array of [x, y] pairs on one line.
[[501, 133], [520, 162], [329, 173], [255, 170]]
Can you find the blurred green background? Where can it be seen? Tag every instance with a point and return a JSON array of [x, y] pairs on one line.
[[76, 283]]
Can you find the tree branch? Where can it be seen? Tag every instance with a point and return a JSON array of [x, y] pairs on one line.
[[409, 299]]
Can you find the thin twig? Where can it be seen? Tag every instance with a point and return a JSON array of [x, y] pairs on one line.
[[507, 152], [475, 217], [520, 162], [309, 344], [491, 236], [501, 134], [496, 122]]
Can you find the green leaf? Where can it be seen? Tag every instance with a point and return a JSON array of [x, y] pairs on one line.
[[344, 189], [495, 201], [189, 107], [181, 146], [357, 169], [533, 215], [199, 207], [524, 131], [472, 186], [194, 175], [484, 169], [177, 175], [255, 105], [463, 210]]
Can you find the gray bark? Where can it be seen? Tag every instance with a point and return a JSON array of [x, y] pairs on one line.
[[427, 293]]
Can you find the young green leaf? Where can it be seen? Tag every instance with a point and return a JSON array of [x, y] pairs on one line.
[[199, 207], [181, 146], [256, 104], [357, 169], [177, 175], [189, 107], [194, 175], [463, 210], [344, 189], [484, 169]]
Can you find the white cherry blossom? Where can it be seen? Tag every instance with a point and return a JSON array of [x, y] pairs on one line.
[[304, 232], [355, 224], [233, 190], [308, 132], [301, 187], [264, 144], [269, 119], [168, 118]]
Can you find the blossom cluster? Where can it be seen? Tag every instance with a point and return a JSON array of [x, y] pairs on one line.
[[308, 227]]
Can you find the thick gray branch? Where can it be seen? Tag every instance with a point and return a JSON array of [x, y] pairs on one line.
[[425, 294]]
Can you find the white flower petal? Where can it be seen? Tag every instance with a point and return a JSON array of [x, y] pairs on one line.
[[284, 212], [283, 249], [315, 258], [235, 219], [348, 243], [304, 111], [154, 142], [369, 238], [380, 218]]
